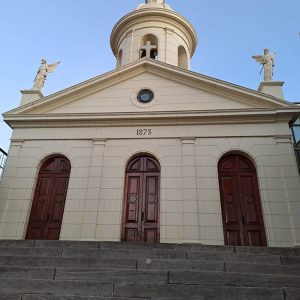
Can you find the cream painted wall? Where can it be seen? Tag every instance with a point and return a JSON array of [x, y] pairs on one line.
[[190, 199], [169, 95]]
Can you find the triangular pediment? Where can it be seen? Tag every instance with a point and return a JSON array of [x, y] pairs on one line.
[[175, 90]]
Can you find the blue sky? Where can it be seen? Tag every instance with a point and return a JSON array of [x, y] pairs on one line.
[[77, 33]]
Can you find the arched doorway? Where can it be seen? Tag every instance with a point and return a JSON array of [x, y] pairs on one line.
[[241, 206], [49, 199], [141, 207]]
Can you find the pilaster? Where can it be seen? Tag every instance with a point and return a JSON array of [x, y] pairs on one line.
[[92, 201], [189, 184]]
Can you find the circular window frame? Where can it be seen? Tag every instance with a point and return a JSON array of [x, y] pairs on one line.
[[144, 105], [147, 92]]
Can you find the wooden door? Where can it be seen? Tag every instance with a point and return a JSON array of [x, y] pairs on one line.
[[241, 207], [49, 200], [141, 201]]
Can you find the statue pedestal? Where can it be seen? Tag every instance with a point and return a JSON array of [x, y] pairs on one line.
[[273, 88], [30, 96]]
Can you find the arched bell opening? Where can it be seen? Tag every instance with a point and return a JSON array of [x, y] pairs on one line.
[[183, 61], [149, 46]]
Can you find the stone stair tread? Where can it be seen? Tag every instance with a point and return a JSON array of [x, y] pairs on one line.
[[268, 250], [263, 269], [55, 297], [57, 287], [129, 290], [112, 275], [202, 265], [132, 246], [291, 260], [66, 262], [11, 296], [174, 264], [292, 293], [130, 254], [191, 292], [29, 251], [166, 247], [29, 273], [233, 279], [238, 257]]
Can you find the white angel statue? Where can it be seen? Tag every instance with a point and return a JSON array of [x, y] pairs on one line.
[[268, 62], [42, 73]]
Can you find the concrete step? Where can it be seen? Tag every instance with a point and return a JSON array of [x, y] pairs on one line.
[[67, 270], [28, 273], [124, 254], [145, 254], [191, 292], [263, 269], [135, 290], [213, 266], [147, 276], [233, 279], [55, 297], [67, 262], [112, 275], [10, 296], [290, 260], [22, 251], [161, 254], [57, 287], [236, 257], [131, 246]]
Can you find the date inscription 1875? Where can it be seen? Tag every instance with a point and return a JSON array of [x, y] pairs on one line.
[[144, 131]]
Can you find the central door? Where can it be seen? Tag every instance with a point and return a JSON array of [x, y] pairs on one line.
[[141, 201], [241, 207], [49, 200]]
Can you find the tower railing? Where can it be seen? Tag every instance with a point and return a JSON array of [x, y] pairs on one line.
[[3, 156]]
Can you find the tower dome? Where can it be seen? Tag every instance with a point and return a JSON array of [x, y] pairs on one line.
[[155, 31]]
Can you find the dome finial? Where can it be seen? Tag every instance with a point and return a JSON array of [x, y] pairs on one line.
[[155, 1]]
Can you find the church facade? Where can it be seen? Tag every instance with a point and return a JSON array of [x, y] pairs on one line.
[[153, 152]]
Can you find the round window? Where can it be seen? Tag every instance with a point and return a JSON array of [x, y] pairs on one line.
[[145, 96]]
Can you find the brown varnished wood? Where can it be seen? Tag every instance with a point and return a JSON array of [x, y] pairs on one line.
[[49, 200], [240, 201], [141, 207]]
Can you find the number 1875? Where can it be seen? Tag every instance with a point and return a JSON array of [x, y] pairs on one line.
[[143, 132]]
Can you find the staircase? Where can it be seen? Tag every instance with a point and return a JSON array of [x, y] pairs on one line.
[[53, 270]]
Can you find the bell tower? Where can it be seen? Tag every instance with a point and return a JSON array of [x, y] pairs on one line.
[[153, 30]]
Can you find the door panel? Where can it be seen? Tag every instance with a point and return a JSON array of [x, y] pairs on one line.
[[49, 200], [150, 235], [241, 207], [141, 201], [151, 199], [133, 198]]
